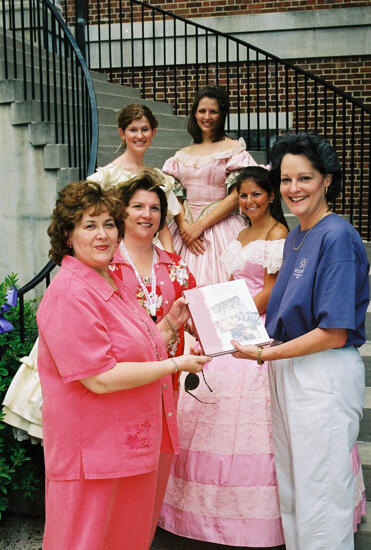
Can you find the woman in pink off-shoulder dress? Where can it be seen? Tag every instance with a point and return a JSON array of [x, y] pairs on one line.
[[223, 486], [209, 220]]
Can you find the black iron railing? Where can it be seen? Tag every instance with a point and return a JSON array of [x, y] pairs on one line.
[[40, 51], [169, 58]]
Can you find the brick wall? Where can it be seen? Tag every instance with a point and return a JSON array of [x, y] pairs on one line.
[[210, 8], [352, 75]]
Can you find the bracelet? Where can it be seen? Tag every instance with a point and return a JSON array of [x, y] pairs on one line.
[[259, 359], [176, 368], [171, 327]]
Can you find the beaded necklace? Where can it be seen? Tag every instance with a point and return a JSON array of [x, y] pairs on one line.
[[151, 297]]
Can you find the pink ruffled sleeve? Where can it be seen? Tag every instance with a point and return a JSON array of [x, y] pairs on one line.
[[171, 167], [240, 160], [236, 163]]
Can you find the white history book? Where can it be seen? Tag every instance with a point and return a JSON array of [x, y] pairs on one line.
[[223, 312]]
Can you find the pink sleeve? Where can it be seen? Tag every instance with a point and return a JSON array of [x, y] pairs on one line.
[[241, 160], [77, 338], [171, 167]]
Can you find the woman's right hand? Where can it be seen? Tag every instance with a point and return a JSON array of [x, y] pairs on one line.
[[191, 363], [197, 247]]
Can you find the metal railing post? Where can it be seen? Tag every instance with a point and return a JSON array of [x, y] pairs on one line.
[[81, 22]]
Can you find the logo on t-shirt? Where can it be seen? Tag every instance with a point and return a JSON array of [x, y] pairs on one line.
[[298, 271]]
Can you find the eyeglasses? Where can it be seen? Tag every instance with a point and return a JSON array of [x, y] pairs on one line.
[[192, 382]]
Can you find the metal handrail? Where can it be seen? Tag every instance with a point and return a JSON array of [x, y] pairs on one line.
[[169, 58], [47, 40]]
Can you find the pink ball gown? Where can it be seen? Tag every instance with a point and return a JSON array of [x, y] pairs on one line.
[[204, 180], [223, 486]]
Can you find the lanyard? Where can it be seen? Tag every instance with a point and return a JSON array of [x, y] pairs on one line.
[[151, 298]]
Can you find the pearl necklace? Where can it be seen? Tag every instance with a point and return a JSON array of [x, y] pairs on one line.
[[151, 297]]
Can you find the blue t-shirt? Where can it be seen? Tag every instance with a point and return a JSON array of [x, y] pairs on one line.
[[323, 284]]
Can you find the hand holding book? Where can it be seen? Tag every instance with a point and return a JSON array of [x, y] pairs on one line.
[[225, 312]]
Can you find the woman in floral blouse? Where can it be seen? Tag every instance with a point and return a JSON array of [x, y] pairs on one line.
[[156, 277], [137, 259]]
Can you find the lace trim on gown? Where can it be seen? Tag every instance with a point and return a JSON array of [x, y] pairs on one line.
[[197, 161], [265, 253]]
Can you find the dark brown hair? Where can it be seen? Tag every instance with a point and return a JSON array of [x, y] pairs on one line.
[[219, 94], [73, 201], [261, 177], [149, 180], [320, 153]]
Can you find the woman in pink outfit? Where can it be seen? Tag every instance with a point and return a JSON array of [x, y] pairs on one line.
[[223, 486], [208, 221], [108, 406], [156, 277]]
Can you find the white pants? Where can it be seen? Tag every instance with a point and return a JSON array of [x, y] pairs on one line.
[[316, 408]]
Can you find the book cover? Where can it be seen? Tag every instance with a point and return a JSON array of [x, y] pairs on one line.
[[223, 312]]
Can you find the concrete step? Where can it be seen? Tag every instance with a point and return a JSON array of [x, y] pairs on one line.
[[365, 351], [163, 137], [16, 72], [368, 319], [108, 116], [118, 89], [12, 89], [362, 539], [154, 157], [117, 101], [365, 424], [26, 112], [365, 454]]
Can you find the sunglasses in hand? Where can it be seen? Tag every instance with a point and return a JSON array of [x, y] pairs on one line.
[[192, 382]]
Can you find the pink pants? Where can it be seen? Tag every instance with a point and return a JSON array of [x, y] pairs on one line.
[[100, 514]]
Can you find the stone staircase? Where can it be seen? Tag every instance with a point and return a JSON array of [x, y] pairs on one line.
[[37, 167]]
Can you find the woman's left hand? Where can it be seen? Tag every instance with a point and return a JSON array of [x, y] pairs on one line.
[[191, 232]]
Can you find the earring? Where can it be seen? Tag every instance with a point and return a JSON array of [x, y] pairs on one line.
[[121, 146], [69, 243]]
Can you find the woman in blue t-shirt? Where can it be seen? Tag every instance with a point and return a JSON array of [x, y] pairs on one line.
[[316, 315]]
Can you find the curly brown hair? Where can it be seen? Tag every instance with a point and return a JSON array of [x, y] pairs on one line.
[[73, 201]]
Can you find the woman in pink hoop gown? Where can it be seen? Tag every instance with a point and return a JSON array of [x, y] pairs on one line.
[[223, 486]]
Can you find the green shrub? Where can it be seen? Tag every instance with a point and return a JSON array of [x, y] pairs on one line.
[[21, 466]]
